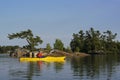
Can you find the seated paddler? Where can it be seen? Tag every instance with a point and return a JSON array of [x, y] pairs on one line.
[[40, 54]]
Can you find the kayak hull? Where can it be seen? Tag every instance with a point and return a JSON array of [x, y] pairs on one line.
[[48, 59]]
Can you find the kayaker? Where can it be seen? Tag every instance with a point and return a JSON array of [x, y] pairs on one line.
[[39, 54], [32, 54]]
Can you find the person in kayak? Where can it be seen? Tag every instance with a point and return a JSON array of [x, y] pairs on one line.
[[40, 54]]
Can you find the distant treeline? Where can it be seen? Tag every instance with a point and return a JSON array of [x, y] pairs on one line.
[[7, 49], [90, 41]]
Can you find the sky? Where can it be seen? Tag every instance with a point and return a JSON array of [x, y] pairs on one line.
[[57, 19]]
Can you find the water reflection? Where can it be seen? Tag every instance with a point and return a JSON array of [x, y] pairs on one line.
[[34, 69], [95, 67], [40, 63], [58, 67], [100, 67]]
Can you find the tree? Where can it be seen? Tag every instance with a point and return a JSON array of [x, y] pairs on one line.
[[28, 35], [48, 47], [77, 41], [58, 44], [92, 41], [68, 49], [7, 49], [110, 43], [110, 36]]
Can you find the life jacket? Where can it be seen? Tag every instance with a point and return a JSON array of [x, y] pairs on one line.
[[39, 55]]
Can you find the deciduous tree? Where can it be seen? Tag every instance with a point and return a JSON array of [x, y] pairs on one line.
[[58, 44]]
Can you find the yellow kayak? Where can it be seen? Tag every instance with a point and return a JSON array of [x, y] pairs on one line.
[[47, 59]]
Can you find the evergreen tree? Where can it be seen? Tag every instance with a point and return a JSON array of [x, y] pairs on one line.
[[77, 42], [28, 35], [92, 41]]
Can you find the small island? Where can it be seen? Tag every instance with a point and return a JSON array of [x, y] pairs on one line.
[[82, 44]]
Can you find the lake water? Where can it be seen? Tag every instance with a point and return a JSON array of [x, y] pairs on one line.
[[87, 68]]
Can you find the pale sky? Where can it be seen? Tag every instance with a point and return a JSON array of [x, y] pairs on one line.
[[51, 19]]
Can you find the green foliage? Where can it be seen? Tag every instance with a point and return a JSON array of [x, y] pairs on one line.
[[58, 44], [48, 47], [6, 49], [28, 35], [77, 42], [92, 41], [68, 49]]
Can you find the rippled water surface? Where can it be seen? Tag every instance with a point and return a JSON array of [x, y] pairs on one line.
[[89, 68]]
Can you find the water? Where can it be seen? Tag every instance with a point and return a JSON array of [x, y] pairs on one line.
[[88, 68]]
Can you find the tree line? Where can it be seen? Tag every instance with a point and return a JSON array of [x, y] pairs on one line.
[[93, 41], [90, 41], [7, 49], [32, 41]]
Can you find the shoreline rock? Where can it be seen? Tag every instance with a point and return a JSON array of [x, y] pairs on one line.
[[62, 53], [23, 52]]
